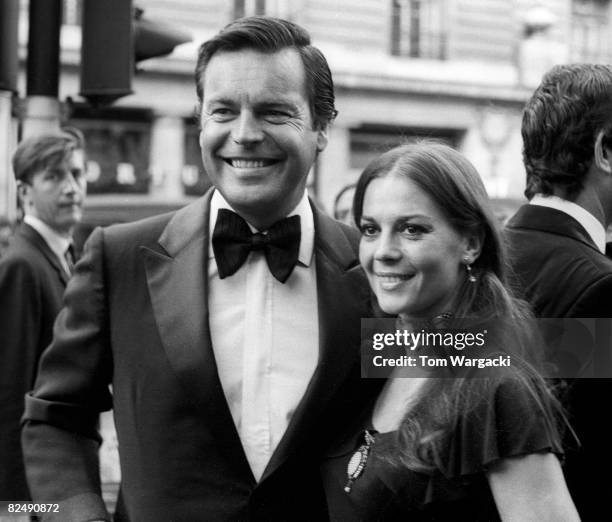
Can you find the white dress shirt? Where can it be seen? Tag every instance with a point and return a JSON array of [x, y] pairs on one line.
[[57, 243], [265, 337], [591, 224]]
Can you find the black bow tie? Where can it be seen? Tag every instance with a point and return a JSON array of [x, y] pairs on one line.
[[233, 240]]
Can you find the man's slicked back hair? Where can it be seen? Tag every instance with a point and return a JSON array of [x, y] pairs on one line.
[[270, 35], [560, 123]]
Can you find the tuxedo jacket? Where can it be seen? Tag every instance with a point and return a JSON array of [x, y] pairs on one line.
[[136, 317], [558, 267], [562, 273], [32, 283]]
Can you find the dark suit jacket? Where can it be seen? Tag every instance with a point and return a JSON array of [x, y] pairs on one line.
[[32, 283], [563, 274], [136, 316]]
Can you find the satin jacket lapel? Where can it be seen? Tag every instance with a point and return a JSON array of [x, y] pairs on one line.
[[177, 278], [33, 237], [336, 288]]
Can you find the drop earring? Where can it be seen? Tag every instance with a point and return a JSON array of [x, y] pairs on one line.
[[468, 268]]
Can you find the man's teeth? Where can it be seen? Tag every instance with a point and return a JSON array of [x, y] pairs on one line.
[[249, 164]]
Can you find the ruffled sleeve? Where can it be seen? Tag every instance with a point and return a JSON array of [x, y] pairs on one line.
[[509, 421]]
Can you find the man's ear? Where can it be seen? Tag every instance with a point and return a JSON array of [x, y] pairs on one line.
[[602, 153], [22, 190], [322, 137]]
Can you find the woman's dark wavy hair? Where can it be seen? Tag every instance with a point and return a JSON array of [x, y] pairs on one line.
[[560, 124], [270, 35], [457, 189]]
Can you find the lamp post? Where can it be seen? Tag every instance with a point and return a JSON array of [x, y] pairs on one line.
[[9, 17]]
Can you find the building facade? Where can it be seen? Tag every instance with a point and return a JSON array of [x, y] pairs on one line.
[[455, 70]]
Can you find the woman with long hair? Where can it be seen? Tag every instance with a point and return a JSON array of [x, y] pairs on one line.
[[439, 448]]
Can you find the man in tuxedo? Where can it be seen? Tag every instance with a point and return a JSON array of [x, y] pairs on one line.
[[557, 245], [229, 330], [50, 174]]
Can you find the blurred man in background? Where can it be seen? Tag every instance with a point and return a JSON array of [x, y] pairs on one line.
[[343, 205], [50, 174]]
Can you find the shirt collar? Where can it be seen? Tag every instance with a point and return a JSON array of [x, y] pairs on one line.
[[591, 224], [302, 209], [57, 243]]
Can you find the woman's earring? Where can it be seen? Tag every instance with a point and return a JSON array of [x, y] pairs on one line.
[[468, 268]]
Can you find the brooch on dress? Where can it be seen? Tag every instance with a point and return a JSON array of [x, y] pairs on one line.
[[357, 463]]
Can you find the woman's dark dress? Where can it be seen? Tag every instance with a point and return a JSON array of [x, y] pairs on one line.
[[506, 422]]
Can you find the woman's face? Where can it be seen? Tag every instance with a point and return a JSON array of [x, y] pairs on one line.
[[411, 254]]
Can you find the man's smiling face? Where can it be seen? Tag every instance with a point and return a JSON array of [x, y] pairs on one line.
[[258, 141]]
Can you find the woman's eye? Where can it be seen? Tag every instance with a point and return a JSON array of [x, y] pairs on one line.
[[412, 230], [367, 230]]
